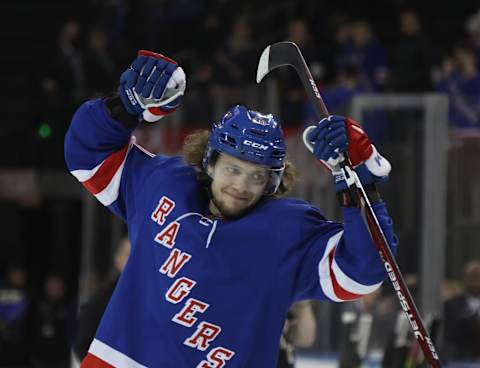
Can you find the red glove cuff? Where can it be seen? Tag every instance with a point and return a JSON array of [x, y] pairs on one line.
[[156, 56], [359, 146], [159, 112]]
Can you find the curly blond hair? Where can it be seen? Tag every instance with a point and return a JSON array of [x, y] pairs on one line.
[[194, 148]]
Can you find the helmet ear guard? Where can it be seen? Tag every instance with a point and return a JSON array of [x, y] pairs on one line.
[[249, 136], [275, 181]]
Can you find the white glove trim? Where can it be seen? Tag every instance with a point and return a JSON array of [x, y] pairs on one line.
[[175, 88], [377, 164]]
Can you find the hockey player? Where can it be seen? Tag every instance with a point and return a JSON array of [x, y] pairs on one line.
[[217, 258]]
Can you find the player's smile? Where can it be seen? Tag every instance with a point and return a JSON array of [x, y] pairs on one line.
[[237, 197]]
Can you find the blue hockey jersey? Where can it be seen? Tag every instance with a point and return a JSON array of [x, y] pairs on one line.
[[204, 292]]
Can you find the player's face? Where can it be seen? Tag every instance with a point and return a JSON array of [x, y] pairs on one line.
[[237, 185]]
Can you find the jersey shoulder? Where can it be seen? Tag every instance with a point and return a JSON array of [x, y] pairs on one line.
[[292, 214], [292, 208], [161, 165]]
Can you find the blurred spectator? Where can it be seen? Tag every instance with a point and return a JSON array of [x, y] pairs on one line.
[[412, 57], [472, 27], [92, 311], [450, 289], [366, 324], [172, 24], [62, 88], [328, 35], [212, 32], [234, 66], [66, 64], [13, 318], [299, 332], [100, 71], [401, 347], [294, 98], [367, 53], [51, 328], [461, 81], [338, 97], [343, 32], [236, 61], [462, 318], [299, 33], [198, 105]]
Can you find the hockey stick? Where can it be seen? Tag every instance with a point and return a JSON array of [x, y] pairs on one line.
[[288, 54]]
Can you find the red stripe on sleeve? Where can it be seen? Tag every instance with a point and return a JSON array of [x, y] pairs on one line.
[[91, 361], [340, 292], [105, 173]]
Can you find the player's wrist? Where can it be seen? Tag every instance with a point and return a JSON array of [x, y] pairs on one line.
[[117, 111], [349, 198], [372, 192]]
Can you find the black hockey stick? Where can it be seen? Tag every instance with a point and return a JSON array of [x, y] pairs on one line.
[[288, 53]]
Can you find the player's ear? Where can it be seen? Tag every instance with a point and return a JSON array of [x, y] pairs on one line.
[[210, 170]]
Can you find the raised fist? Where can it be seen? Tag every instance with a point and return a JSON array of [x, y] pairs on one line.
[[152, 87]]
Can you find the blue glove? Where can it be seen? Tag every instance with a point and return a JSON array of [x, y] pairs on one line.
[[329, 138], [336, 135], [152, 86]]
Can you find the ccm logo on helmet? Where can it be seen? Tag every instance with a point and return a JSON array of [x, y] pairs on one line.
[[246, 142]]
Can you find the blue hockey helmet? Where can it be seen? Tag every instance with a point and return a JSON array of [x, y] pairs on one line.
[[250, 136]]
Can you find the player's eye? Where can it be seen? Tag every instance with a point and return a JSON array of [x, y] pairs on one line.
[[259, 178], [231, 170]]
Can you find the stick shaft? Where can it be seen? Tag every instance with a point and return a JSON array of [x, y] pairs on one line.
[[287, 53], [399, 285]]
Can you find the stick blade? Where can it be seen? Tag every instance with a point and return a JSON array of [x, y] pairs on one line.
[[276, 55], [287, 53], [262, 68]]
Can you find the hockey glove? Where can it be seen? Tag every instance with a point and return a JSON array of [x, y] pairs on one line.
[[152, 87], [336, 135]]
